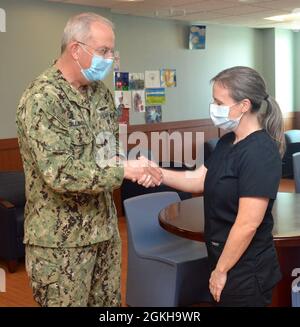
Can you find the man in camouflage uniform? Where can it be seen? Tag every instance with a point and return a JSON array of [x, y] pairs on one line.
[[66, 127]]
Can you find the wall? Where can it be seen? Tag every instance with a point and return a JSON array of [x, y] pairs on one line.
[[297, 70], [164, 44], [281, 69], [284, 69], [32, 42], [269, 59]]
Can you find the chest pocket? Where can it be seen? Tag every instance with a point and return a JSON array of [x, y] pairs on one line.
[[227, 176], [225, 191], [106, 118], [81, 140]]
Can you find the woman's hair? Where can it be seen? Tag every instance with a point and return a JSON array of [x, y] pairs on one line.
[[78, 28], [246, 83]]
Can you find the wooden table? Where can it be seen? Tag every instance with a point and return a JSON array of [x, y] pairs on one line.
[[186, 219]]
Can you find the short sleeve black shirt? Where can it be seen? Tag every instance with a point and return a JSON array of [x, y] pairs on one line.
[[249, 168]]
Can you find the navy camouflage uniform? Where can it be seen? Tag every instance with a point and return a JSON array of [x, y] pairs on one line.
[[66, 140]]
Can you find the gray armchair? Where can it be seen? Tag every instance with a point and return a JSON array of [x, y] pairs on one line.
[[296, 169], [12, 202], [163, 269], [292, 140]]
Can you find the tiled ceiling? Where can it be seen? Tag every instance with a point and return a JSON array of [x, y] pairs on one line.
[[250, 13]]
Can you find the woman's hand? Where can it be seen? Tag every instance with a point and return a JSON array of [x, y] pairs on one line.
[[144, 171], [217, 282], [147, 179]]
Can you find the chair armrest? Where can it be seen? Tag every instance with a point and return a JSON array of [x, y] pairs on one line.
[[6, 204]]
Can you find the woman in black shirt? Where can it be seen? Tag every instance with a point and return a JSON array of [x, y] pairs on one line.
[[240, 181]]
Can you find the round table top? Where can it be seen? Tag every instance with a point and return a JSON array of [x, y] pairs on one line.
[[186, 219]]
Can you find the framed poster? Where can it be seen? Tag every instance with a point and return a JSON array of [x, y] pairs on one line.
[[152, 78], [153, 114], [155, 96], [121, 81], [136, 81], [197, 37], [138, 100], [168, 77]]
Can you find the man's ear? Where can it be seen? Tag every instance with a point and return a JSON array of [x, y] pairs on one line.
[[74, 48]]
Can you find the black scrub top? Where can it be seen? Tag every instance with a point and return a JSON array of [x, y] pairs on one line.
[[249, 168]]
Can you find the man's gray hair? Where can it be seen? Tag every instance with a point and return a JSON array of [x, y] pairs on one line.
[[78, 28]]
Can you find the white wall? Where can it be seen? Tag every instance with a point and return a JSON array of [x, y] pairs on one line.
[[284, 69]]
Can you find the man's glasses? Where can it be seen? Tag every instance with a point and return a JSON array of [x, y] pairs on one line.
[[102, 51]]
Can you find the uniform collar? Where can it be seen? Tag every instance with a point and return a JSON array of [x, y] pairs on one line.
[[71, 93]]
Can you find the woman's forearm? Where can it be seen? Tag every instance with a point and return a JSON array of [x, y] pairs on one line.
[[250, 216], [238, 241], [186, 181]]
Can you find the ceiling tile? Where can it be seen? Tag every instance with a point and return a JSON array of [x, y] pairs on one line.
[[236, 12], [288, 5]]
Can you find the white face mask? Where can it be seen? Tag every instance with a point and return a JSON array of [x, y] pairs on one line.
[[220, 117]]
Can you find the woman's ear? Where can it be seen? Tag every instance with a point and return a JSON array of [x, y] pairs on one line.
[[246, 105]]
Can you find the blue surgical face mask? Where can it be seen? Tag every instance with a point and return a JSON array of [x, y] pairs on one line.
[[220, 117], [98, 69]]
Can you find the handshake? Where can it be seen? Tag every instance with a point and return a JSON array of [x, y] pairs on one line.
[[143, 171]]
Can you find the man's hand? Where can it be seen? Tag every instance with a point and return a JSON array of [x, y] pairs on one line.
[[147, 180], [146, 172]]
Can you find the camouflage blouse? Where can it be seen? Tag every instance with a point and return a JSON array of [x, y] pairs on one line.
[[66, 141]]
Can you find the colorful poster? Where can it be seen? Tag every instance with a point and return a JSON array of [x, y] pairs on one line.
[[123, 98], [197, 37], [153, 114], [123, 104], [168, 77], [138, 100], [121, 81], [124, 117], [136, 81], [152, 78], [155, 96], [117, 65]]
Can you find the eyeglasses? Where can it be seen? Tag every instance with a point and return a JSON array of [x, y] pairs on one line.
[[102, 51]]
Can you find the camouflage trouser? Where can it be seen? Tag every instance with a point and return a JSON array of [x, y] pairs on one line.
[[81, 276]]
